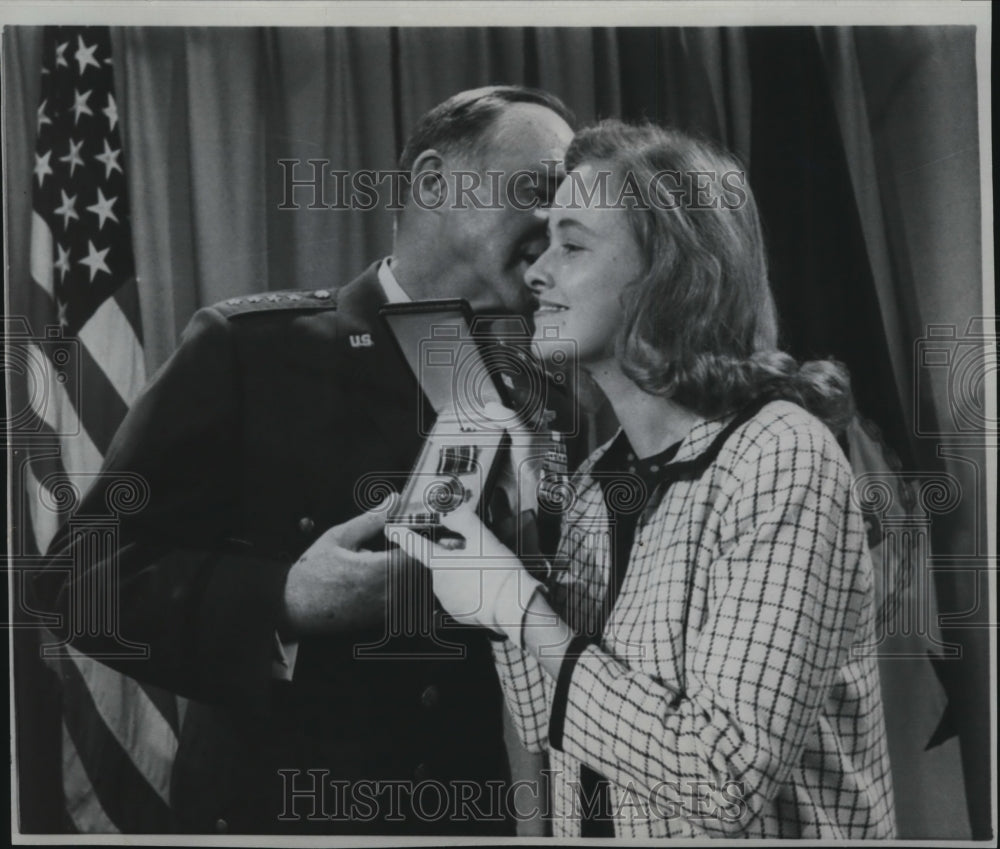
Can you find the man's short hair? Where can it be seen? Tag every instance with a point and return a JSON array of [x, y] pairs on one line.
[[460, 123]]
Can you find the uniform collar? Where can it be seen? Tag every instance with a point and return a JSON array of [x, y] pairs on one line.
[[394, 293]]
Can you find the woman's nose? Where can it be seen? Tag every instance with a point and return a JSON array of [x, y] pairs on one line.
[[536, 277]]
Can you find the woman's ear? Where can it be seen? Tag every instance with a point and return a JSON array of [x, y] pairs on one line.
[[428, 187]]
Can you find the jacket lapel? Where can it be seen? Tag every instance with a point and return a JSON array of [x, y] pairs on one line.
[[374, 371]]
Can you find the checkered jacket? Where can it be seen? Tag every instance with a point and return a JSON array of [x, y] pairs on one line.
[[728, 692]]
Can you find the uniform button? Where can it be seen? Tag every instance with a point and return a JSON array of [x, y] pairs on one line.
[[430, 697], [306, 525], [221, 825], [420, 771]]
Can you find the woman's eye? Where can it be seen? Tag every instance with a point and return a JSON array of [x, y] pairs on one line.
[[570, 248]]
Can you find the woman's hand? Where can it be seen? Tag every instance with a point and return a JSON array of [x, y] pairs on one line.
[[482, 583]]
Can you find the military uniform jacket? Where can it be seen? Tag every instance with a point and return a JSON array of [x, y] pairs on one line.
[[261, 432]]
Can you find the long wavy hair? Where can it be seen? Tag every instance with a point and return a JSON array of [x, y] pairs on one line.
[[700, 323]]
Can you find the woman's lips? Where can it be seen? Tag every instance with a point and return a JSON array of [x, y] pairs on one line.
[[549, 307]]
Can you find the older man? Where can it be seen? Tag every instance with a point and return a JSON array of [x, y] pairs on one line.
[[245, 574]]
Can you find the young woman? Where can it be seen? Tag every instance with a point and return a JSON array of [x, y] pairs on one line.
[[702, 662]]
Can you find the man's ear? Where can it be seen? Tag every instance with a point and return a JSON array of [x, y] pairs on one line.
[[428, 187]]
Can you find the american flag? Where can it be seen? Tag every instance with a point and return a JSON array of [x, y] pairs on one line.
[[118, 737]]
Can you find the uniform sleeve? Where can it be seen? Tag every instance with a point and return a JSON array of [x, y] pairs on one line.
[[206, 605], [788, 593]]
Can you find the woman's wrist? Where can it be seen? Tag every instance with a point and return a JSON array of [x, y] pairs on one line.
[[544, 633], [511, 601]]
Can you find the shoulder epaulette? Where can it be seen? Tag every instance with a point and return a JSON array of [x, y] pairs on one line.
[[305, 300]]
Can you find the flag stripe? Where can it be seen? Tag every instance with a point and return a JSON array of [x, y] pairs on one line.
[[82, 804], [135, 721], [53, 406], [124, 792], [110, 339], [182, 706], [41, 254], [165, 704], [41, 462], [45, 465], [44, 522], [127, 296], [104, 407]]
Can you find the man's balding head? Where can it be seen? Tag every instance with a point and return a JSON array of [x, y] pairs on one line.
[[480, 164], [461, 124]]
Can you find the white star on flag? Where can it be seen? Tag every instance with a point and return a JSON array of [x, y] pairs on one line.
[[63, 320], [60, 59], [111, 110], [102, 209], [73, 157], [110, 159], [42, 167], [85, 55], [80, 106], [62, 263], [68, 208], [42, 117], [95, 260]]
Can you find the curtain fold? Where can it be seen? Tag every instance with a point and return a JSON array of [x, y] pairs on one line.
[[591, 89], [154, 114], [920, 92], [312, 248], [926, 781], [226, 126], [697, 78], [907, 102], [840, 54]]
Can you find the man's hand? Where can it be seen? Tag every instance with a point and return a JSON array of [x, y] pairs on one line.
[[482, 583], [334, 586]]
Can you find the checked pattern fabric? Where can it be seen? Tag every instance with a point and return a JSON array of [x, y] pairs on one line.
[[732, 689]]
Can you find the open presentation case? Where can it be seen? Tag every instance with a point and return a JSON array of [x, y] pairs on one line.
[[468, 440]]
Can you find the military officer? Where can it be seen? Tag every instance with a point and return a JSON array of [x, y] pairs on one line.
[[247, 572]]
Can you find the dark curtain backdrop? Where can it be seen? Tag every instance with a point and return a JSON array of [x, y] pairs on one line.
[[862, 145]]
